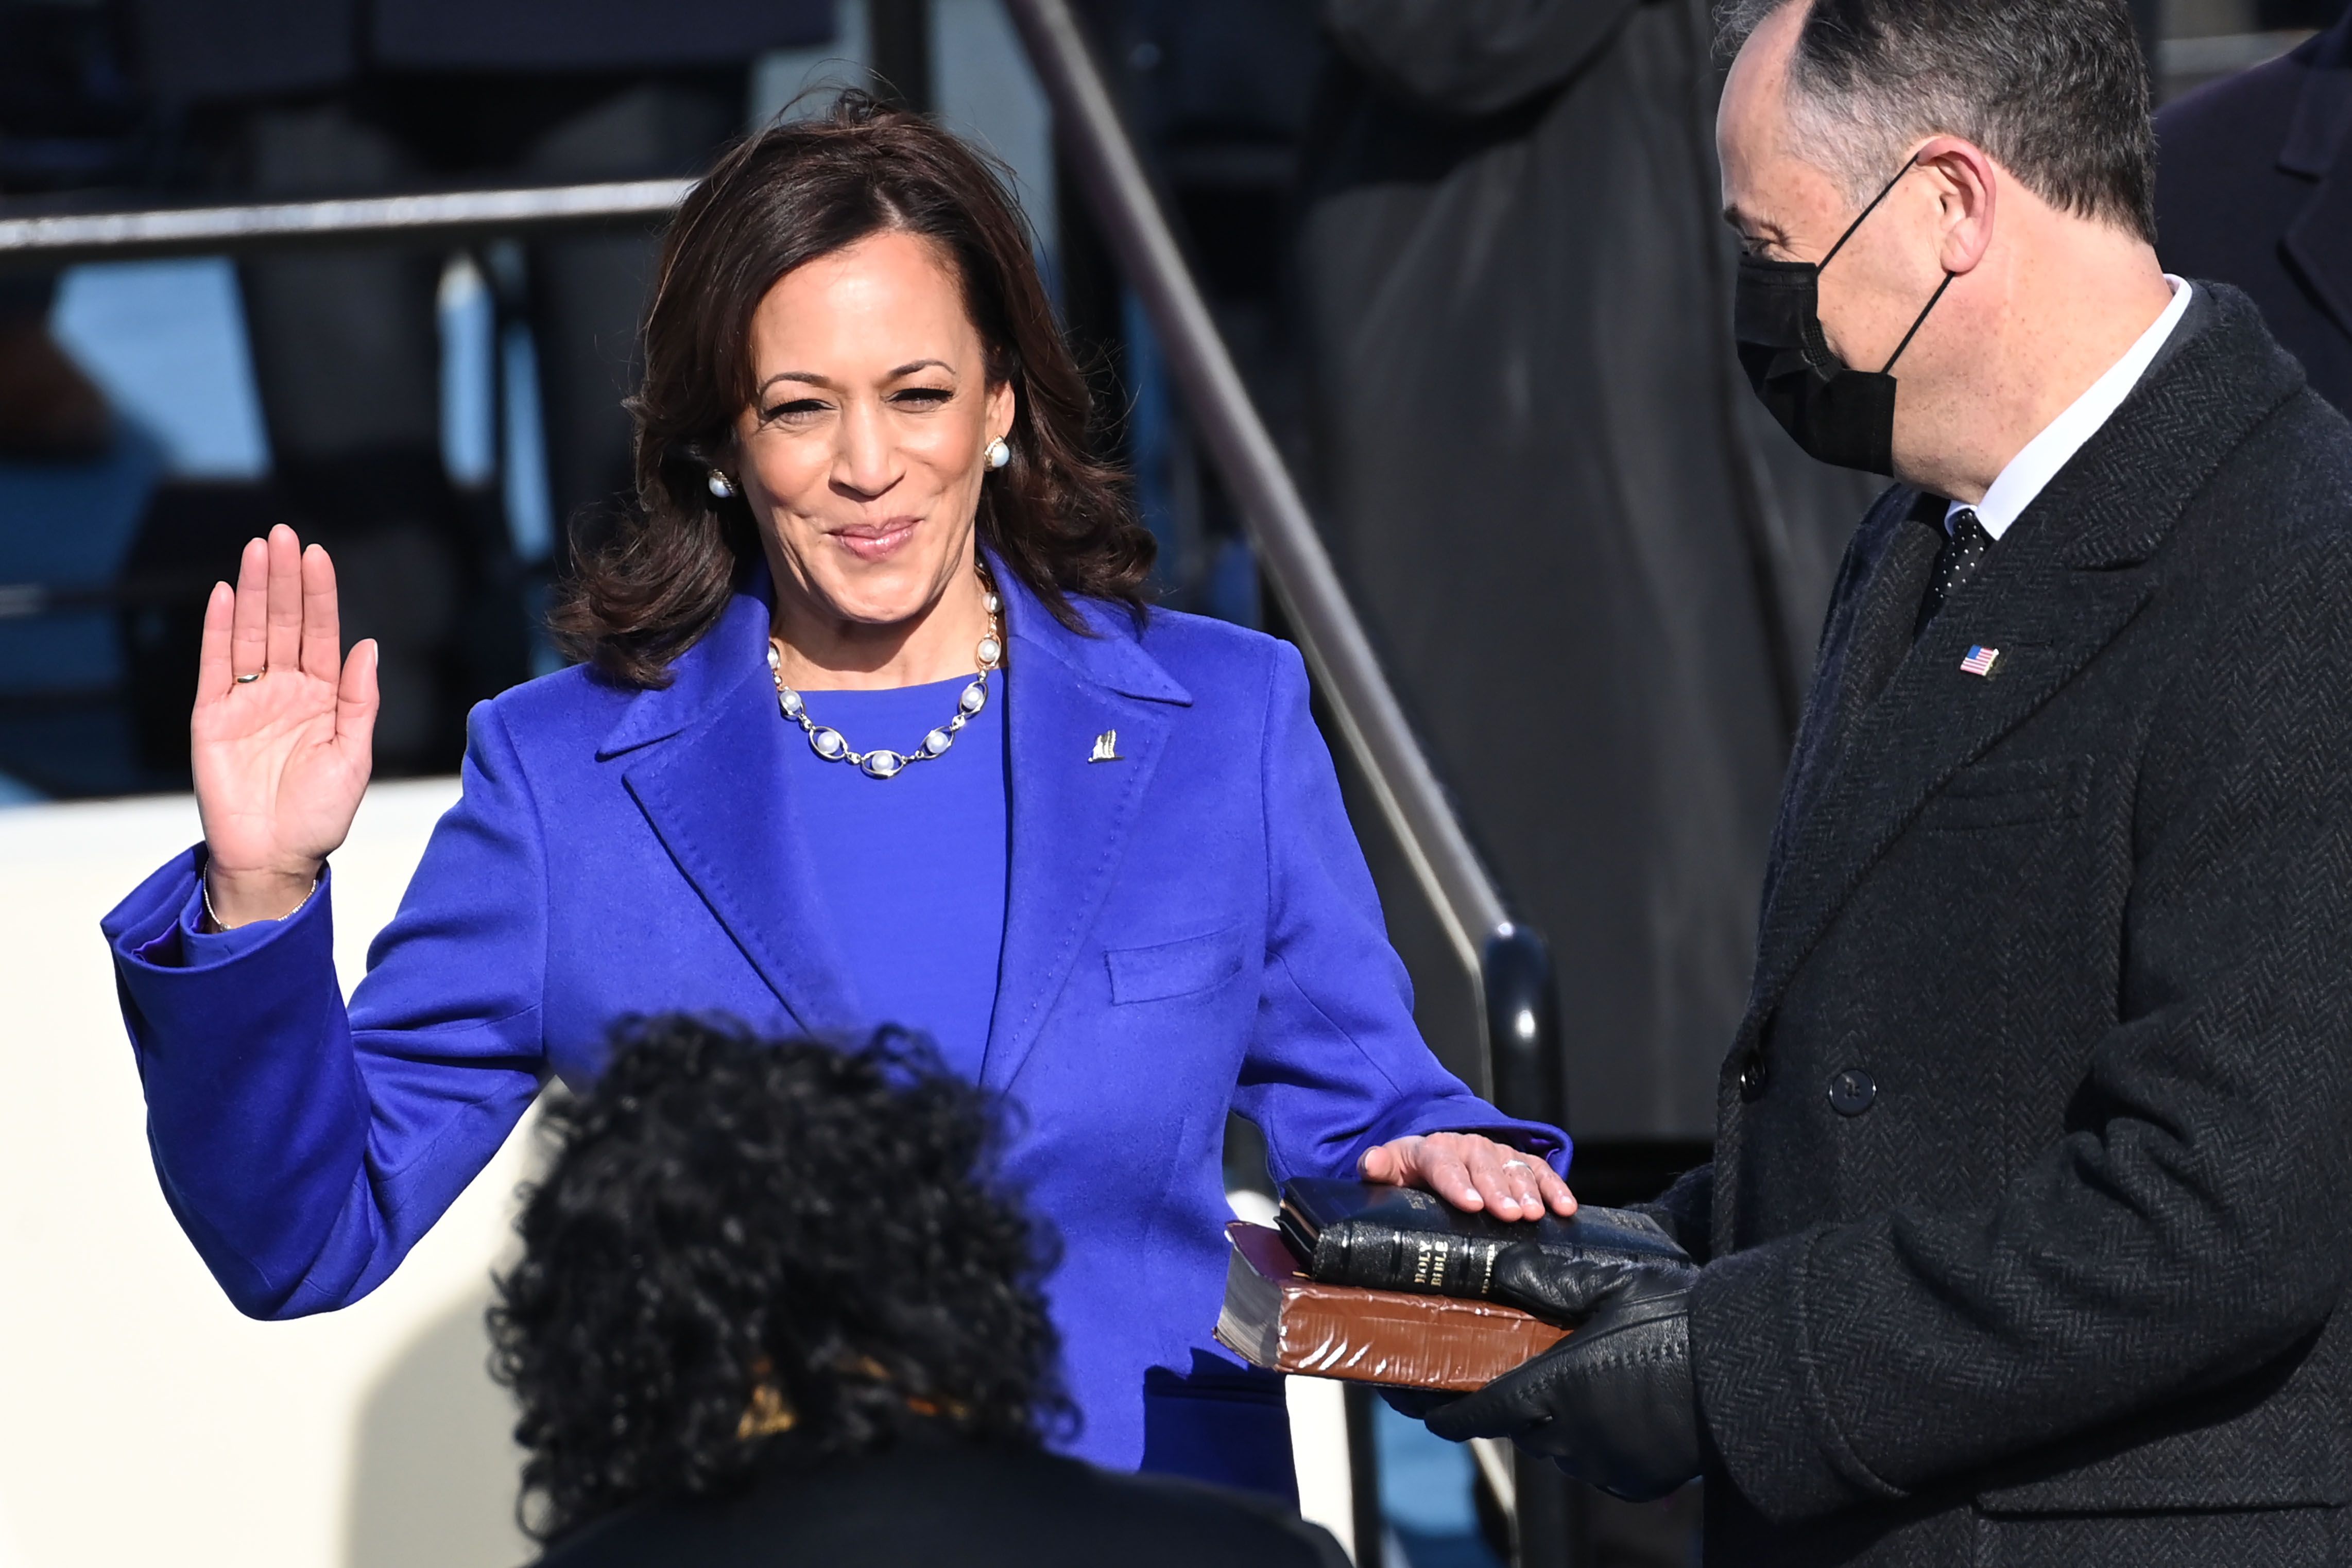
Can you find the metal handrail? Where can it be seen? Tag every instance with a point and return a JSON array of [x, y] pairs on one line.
[[57, 238], [1297, 567]]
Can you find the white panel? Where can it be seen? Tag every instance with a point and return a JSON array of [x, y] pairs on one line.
[[1318, 1447], [147, 1422]]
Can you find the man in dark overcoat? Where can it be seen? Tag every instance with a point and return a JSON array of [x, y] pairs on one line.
[[2255, 188], [2030, 1213]]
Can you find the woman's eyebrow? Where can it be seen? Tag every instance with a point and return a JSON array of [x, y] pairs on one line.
[[811, 378]]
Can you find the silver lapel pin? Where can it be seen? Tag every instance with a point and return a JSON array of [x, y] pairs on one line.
[[1107, 748]]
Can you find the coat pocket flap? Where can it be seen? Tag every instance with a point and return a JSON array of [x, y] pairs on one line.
[[1997, 794], [1174, 968]]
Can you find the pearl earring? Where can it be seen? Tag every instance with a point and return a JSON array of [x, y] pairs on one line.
[[722, 486], [999, 455]]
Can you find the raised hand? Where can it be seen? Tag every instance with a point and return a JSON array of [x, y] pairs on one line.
[[280, 737]]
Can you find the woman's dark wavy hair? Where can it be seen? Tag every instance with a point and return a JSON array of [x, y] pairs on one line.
[[660, 576], [732, 1223]]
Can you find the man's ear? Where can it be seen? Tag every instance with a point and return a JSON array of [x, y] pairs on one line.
[[1966, 184]]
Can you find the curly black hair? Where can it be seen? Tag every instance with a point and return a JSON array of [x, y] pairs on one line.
[[741, 1237]]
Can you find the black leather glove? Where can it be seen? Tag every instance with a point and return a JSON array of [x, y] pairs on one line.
[[1612, 1403]]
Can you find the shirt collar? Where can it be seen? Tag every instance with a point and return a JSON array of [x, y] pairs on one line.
[[2038, 461]]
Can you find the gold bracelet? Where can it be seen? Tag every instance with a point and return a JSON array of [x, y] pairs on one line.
[[220, 927]]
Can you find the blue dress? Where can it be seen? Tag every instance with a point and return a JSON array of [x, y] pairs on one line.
[[911, 870]]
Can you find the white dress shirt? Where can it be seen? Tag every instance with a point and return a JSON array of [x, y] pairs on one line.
[[2039, 460]]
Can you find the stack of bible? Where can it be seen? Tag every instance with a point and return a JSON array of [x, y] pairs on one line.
[[1389, 1285]]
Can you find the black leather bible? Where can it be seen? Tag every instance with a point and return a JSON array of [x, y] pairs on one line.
[[1402, 1239]]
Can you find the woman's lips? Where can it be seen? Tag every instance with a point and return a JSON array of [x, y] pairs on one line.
[[878, 541]]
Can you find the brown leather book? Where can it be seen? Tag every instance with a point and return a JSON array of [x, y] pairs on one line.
[[1278, 1317]]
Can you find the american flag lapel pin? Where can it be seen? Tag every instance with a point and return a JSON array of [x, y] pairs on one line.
[[1980, 660]]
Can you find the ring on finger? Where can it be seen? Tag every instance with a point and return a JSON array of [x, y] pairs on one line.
[[1516, 1165], [248, 680]]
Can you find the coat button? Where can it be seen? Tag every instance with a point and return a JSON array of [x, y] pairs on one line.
[[1852, 1092], [1753, 1076]]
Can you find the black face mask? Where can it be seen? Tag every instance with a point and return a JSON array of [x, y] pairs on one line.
[[1837, 414]]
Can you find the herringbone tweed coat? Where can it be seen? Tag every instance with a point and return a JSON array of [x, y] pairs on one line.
[[2031, 1206]]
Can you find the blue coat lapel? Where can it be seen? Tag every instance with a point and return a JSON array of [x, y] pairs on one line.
[[705, 761], [708, 773], [1070, 817]]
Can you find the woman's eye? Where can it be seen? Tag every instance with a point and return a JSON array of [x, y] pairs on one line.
[[799, 408], [922, 397]]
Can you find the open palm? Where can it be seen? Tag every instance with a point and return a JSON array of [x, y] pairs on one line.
[[281, 733]]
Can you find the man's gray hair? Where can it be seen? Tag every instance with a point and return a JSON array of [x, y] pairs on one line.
[[2056, 90]]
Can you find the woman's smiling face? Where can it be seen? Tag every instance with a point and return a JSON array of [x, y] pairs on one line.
[[863, 453]]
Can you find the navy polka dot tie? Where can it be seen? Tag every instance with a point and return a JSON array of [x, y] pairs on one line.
[[1966, 545]]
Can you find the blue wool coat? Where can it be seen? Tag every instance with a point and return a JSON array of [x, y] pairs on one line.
[[1188, 929]]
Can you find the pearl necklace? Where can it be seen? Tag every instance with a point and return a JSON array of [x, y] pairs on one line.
[[881, 762]]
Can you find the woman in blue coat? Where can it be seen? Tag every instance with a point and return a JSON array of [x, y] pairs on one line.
[[872, 727]]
